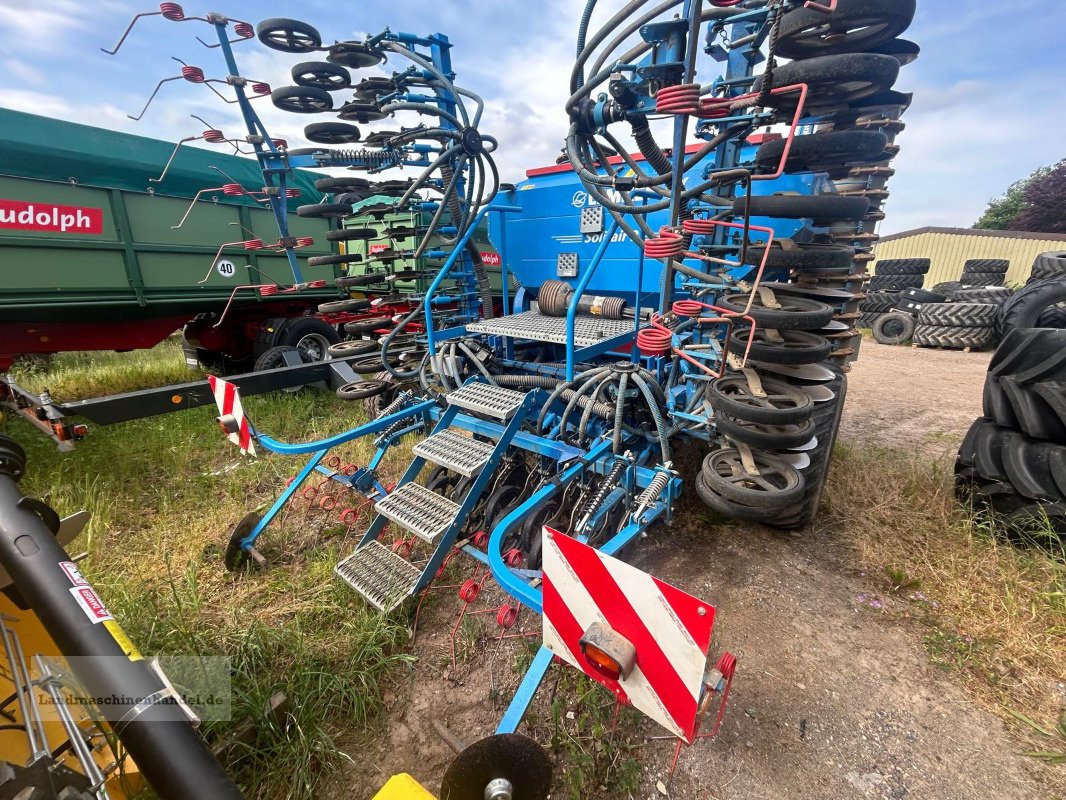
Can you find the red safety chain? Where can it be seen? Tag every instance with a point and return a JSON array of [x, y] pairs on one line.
[[193, 74], [172, 11], [681, 99]]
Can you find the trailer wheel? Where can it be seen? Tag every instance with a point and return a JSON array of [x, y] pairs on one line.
[[895, 328], [236, 557], [311, 336], [274, 358]]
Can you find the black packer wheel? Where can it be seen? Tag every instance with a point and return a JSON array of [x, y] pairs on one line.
[[237, 558]]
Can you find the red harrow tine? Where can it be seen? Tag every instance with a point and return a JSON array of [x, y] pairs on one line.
[[724, 671]]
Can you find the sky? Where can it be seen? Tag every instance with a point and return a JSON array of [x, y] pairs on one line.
[[989, 105]]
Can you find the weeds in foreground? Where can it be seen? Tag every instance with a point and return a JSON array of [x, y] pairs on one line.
[[1058, 734], [995, 607]]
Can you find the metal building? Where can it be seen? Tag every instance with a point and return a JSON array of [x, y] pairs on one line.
[[950, 248]]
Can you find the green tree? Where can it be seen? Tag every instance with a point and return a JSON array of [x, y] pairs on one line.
[[1002, 211]]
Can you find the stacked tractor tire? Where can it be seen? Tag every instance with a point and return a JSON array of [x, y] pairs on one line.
[[1012, 462], [781, 415], [1042, 301]]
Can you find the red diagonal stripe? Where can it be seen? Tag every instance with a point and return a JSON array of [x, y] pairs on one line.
[[246, 434], [685, 607], [560, 616], [653, 662], [229, 392]]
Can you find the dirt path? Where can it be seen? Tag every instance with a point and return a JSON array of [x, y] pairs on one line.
[[834, 698]]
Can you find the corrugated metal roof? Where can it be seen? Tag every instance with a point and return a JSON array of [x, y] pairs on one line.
[[1043, 237]]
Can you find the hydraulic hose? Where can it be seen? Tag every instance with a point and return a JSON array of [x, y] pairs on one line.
[[481, 274], [169, 752]]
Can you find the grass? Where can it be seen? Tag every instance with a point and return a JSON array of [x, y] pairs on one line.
[[164, 493], [995, 612]]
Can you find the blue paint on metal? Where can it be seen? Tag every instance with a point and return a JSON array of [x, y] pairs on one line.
[[523, 696]]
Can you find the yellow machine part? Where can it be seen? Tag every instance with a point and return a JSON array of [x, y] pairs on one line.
[[13, 747], [403, 787]]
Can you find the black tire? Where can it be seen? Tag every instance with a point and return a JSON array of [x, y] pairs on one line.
[[804, 257], [351, 234], [341, 258], [945, 287], [326, 210], [321, 75], [235, 557], [311, 336], [1026, 307], [914, 300], [763, 435], [822, 208], [981, 279], [879, 302], [354, 55], [1029, 467], [343, 306], [798, 347], [1053, 393], [992, 295], [288, 35], [902, 266], [1035, 417], [355, 347], [822, 152], [854, 26], [881, 283], [1048, 265], [274, 358], [361, 390], [939, 336], [367, 325], [796, 313], [959, 315], [999, 265], [332, 133], [903, 50], [894, 328], [361, 281], [1030, 355], [12, 458], [778, 484], [784, 404], [728, 508], [834, 81], [301, 99], [343, 184], [867, 320]]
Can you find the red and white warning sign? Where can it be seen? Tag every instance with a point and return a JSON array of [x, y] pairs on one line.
[[668, 631], [91, 603], [228, 400]]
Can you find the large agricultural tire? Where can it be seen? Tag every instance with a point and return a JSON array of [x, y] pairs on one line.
[[1048, 265], [854, 26], [881, 283], [956, 338], [1035, 416], [1028, 307], [795, 314], [822, 152], [784, 404], [982, 279], [945, 287], [867, 319], [274, 358], [879, 302], [818, 207], [894, 328], [996, 295], [311, 336], [903, 266], [993, 265], [959, 315]]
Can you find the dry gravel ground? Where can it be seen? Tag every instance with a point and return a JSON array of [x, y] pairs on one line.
[[833, 698]]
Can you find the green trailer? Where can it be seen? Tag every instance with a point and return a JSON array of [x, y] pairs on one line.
[[92, 258]]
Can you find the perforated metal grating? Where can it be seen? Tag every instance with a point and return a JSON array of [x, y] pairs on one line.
[[421, 511], [483, 398], [458, 453], [381, 576], [534, 326]]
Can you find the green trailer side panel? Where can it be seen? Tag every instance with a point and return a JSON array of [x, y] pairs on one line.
[[45, 272], [62, 194], [152, 219]]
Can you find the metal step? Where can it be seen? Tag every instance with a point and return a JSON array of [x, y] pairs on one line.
[[536, 327], [484, 398], [421, 511], [458, 453], [382, 577]]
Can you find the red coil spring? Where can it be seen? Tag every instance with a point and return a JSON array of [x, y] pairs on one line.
[[699, 226], [244, 30], [268, 291], [513, 557], [469, 591], [281, 144], [333, 462], [316, 285], [349, 516], [233, 190], [310, 493], [254, 244], [292, 192], [261, 88], [172, 11], [327, 503], [715, 107], [507, 616], [687, 308], [655, 339], [681, 99], [666, 245], [304, 241], [214, 136], [193, 74]]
